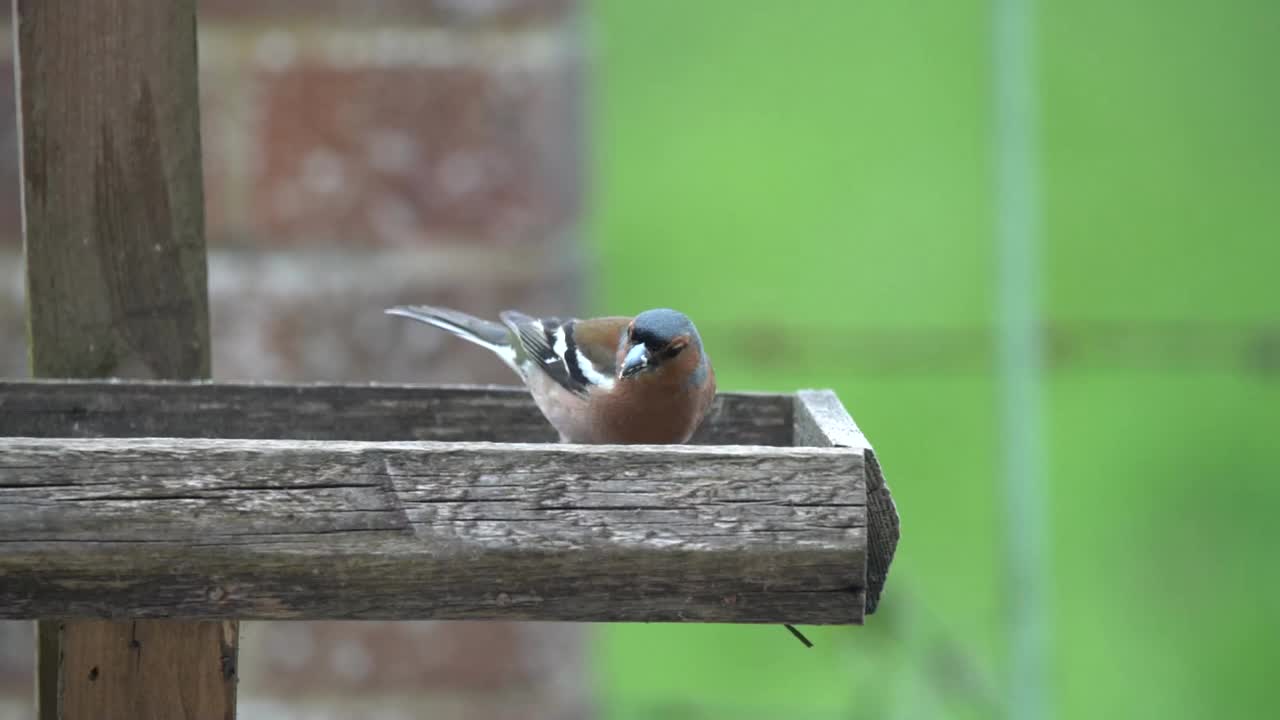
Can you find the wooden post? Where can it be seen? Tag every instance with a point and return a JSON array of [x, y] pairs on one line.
[[113, 222]]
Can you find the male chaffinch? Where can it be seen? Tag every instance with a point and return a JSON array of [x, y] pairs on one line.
[[603, 380], [619, 380]]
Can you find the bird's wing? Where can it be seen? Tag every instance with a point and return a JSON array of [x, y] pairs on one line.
[[551, 346], [598, 340]]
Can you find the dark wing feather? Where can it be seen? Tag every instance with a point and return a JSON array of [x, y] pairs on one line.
[[537, 346]]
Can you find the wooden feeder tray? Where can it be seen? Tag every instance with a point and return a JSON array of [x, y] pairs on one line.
[[210, 500]]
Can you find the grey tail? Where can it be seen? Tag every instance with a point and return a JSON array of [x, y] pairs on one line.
[[484, 333]]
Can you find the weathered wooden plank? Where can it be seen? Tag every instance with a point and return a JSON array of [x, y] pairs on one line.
[[113, 225], [194, 528], [112, 191], [822, 421], [116, 657], [332, 412]]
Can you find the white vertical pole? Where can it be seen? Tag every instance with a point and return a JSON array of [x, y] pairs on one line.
[[1018, 235]]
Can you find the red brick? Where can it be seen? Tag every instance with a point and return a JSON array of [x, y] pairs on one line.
[[414, 155], [308, 317], [223, 101], [355, 658], [452, 12]]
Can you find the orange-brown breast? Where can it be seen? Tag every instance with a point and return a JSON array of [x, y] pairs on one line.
[[657, 407]]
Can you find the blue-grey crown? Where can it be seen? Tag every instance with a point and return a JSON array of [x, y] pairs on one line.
[[656, 328]]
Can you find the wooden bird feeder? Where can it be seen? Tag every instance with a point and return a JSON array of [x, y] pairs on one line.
[[140, 520], [202, 501]]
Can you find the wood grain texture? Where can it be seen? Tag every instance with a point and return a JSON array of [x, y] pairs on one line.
[[196, 528], [332, 412], [113, 226], [112, 659], [822, 421], [113, 208]]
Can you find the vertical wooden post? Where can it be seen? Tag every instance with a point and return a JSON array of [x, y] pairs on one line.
[[113, 225]]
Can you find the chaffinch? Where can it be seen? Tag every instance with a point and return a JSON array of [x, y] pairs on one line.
[[603, 380], [620, 380]]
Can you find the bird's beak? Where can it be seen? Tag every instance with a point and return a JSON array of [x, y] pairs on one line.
[[637, 359]]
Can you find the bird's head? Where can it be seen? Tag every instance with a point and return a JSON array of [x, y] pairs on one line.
[[658, 340]]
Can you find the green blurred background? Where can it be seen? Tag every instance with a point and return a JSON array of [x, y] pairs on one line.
[[814, 183]]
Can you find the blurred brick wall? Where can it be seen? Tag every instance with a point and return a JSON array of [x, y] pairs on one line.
[[358, 154]]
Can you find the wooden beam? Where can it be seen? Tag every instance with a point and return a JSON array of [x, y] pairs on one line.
[[822, 421], [113, 222], [318, 530], [112, 193], [332, 412]]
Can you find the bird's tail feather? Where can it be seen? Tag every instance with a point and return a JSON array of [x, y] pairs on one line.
[[484, 333]]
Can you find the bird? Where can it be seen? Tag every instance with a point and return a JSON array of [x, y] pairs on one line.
[[617, 380], [611, 380]]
